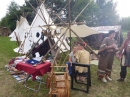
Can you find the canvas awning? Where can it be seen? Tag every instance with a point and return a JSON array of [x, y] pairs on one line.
[[106, 29], [80, 30]]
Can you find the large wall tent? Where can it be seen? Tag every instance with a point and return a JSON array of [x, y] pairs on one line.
[[96, 39]]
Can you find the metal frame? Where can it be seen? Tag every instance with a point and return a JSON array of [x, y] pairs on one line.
[[39, 80]]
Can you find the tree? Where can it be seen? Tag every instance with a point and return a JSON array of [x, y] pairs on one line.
[[125, 23], [56, 6], [88, 14], [15, 11], [28, 11], [99, 13], [106, 13], [12, 15]]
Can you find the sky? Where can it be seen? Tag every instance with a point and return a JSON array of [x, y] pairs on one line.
[[123, 7], [4, 5]]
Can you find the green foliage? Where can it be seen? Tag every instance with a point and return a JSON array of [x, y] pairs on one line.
[[11, 16], [77, 7], [15, 11], [99, 13], [125, 23], [124, 33], [106, 13]]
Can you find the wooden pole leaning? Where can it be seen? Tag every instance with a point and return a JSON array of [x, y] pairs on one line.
[[50, 37], [17, 38], [86, 45], [60, 46], [21, 46], [35, 10], [62, 10], [82, 11], [53, 45], [74, 33], [41, 11], [32, 49], [60, 41]]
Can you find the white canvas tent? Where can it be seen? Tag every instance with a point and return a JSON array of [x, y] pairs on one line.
[[16, 29], [81, 31], [21, 29], [39, 23], [95, 40], [106, 29]]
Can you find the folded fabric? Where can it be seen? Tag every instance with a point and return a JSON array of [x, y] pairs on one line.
[[11, 61], [32, 61]]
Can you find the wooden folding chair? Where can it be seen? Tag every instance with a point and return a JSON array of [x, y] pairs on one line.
[[59, 83]]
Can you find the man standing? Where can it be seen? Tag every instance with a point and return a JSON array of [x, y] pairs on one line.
[[124, 56], [107, 50]]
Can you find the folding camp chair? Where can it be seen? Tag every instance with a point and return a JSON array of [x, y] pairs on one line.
[[87, 75]]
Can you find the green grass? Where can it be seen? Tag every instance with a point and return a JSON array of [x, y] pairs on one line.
[[124, 33], [10, 88]]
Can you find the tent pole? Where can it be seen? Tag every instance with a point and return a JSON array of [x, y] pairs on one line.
[[69, 22], [41, 12], [32, 48], [62, 10], [60, 41], [54, 45], [59, 46], [55, 35], [119, 36], [86, 45], [35, 10], [55, 14], [17, 38], [22, 44]]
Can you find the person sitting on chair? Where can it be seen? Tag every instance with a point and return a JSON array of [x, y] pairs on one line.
[[71, 59], [82, 56]]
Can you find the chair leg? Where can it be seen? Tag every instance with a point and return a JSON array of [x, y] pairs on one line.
[[75, 78], [88, 83], [90, 79], [72, 82]]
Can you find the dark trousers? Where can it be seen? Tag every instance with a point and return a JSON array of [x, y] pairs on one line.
[[69, 68], [123, 71]]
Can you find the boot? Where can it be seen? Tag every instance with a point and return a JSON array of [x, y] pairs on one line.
[[120, 79]]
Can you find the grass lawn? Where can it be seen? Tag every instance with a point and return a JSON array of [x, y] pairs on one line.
[[9, 87]]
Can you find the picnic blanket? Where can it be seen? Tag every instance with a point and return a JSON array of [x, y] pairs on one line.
[[19, 77]]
